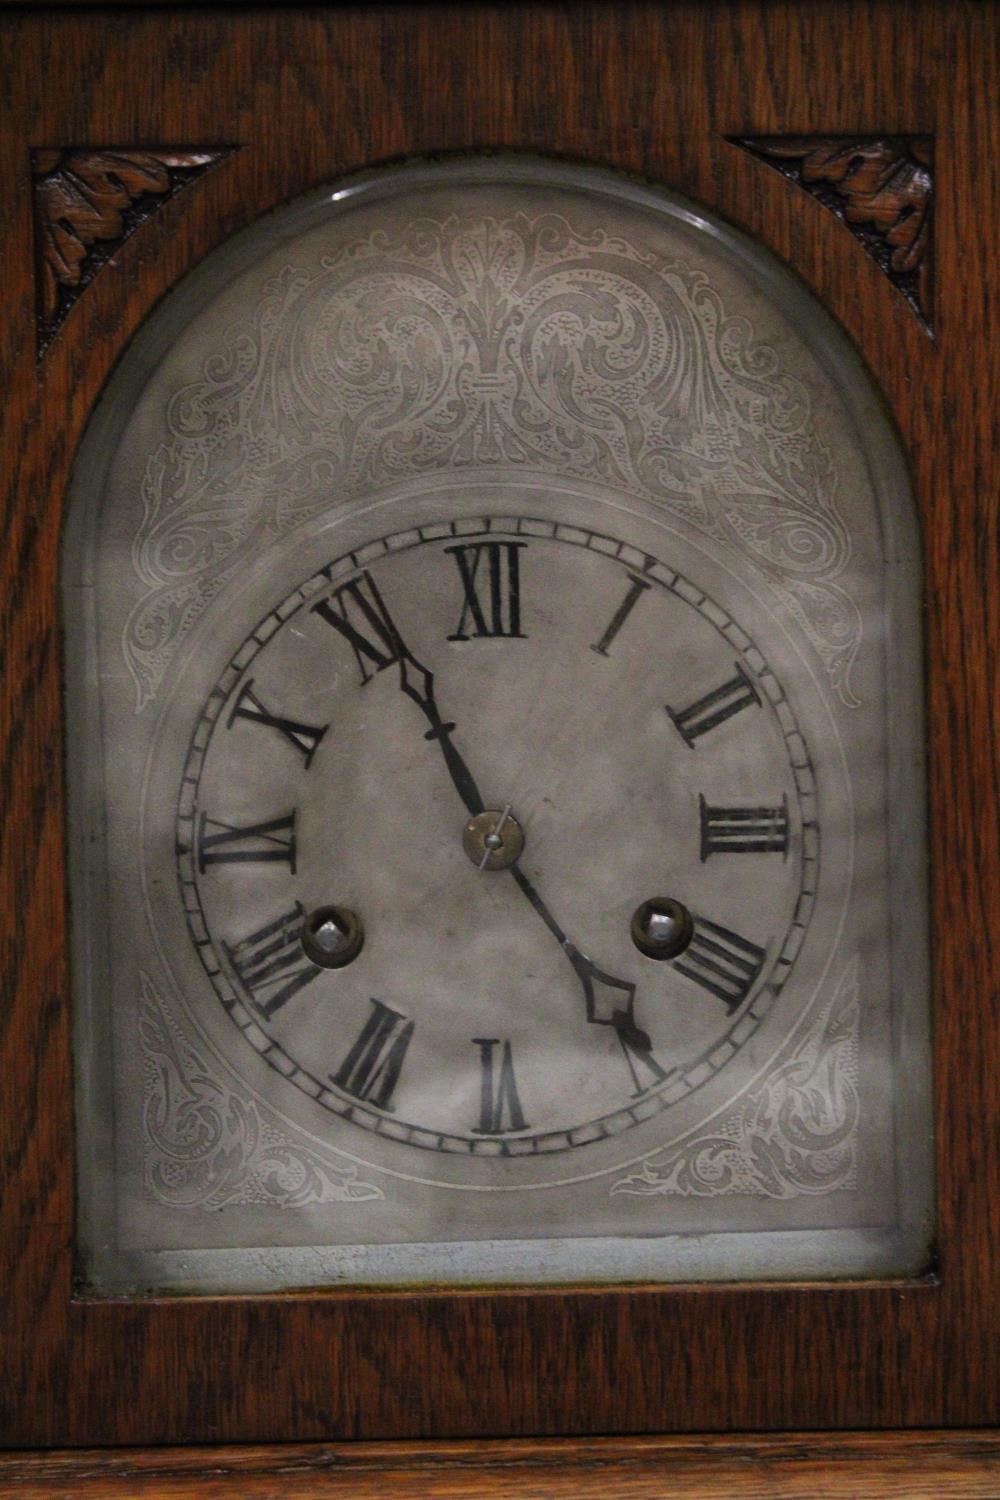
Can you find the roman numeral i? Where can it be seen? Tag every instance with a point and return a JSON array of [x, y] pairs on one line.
[[499, 1108], [492, 593]]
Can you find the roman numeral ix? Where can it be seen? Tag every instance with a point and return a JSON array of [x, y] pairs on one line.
[[259, 843], [721, 961], [358, 612], [715, 708], [270, 962], [499, 1108], [371, 1069], [492, 602], [304, 737], [743, 830]]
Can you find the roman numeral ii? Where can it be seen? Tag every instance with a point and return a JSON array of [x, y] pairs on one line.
[[715, 708]]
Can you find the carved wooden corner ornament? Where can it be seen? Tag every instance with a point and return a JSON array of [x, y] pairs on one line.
[[881, 187], [87, 203]]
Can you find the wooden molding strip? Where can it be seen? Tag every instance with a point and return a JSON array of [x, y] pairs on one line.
[[959, 1465]]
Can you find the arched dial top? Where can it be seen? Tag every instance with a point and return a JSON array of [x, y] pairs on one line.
[[592, 701]]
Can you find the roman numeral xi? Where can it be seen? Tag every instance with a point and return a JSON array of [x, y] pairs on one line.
[[358, 612]]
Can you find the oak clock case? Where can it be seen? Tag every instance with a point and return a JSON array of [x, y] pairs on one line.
[[491, 604]]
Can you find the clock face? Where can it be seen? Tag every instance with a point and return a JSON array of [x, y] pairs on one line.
[[492, 625], [578, 702]]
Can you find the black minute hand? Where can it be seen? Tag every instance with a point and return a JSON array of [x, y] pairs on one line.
[[609, 1000]]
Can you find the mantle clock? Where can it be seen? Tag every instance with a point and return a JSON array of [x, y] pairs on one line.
[[499, 747]]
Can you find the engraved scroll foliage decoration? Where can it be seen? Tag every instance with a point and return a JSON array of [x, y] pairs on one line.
[[207, 1147], [523, 343], [795, 1135]]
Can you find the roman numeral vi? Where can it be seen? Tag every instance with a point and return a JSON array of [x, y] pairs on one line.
[[499, 1100]]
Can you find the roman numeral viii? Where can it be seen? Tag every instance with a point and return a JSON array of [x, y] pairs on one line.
[[715, 708], [743, 830], [258, 843], [358, 612], [721, 961], [499, 1107], [372, 1067], [304, 737], [270, 962], [491, 583]]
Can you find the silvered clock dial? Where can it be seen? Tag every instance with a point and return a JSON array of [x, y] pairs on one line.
[[492, 619]]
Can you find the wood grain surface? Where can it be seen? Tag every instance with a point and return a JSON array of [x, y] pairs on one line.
[[310, 94], [795, 1466]]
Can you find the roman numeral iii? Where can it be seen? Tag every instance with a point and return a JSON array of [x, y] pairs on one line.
[[358, 612], [721, 961], [258, 843], [491, 585], [499, 1108], [743, 830], [304, 737], [715, 708], [372, 1067], [270, 962]]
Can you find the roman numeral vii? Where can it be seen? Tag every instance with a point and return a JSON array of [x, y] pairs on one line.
[[372, 1067]]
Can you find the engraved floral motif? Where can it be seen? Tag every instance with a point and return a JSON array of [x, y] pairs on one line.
[[522, 344], [796, 1134], [207, 1147]]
